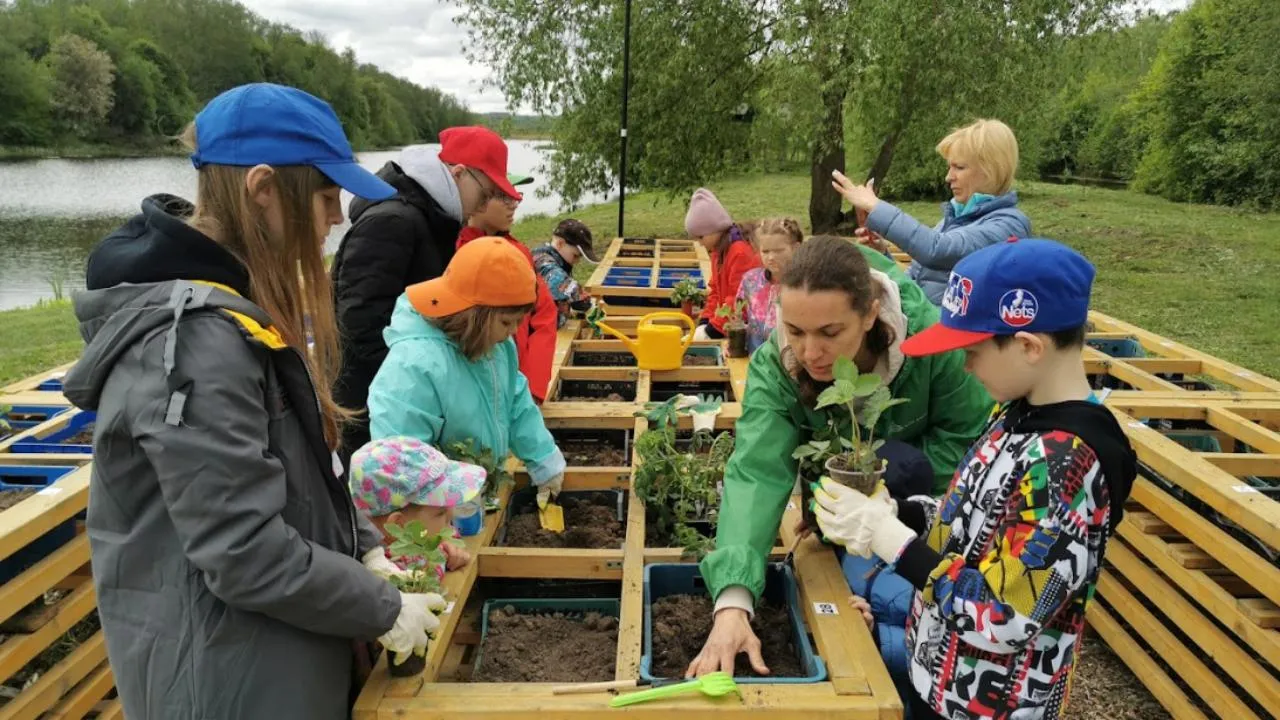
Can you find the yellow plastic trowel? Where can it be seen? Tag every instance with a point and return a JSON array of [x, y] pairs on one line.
[[550, 516]]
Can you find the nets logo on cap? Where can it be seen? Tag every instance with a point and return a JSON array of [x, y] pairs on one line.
[[956, 299], [1018, 308]]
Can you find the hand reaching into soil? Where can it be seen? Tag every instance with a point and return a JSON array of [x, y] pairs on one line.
[[455, 557], [864, 607], [730, 634]]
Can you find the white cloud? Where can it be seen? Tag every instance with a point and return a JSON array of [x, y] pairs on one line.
[[419, 40]]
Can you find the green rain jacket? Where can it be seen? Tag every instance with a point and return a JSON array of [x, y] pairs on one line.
[[947, 410]]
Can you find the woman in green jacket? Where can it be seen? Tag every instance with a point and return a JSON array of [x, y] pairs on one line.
[[837, 299]]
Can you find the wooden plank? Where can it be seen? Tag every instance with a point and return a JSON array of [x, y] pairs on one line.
[[72, 459], [31, 382], [1162, 687], [113, 710], [1246, 671], [1184, 366], [527, 701], [599, 373], [1150, 524], [39, 513], [19, 650], [1097, 362], [1214, 542], [1234, 374], [557, 413], [1249, 398], [1191, 557], [1261, 612], [1184, 662], [1258, 514], [550, 563], [839, 637], [86, 695], [1205, 592], [1246, 431], [38, 698], [1240, 464], [35, 580], [631, 610]]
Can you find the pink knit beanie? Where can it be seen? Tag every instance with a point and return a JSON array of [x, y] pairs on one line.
[[706, 215]]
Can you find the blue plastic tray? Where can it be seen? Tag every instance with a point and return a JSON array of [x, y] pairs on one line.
[[626, 282], [679, 272], [52, 443], [50, 385], [21, 477], [628, 272], [663, 579], [670, 282], [45, 411]]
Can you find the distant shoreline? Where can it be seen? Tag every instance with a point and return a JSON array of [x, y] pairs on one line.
[[103, 151]]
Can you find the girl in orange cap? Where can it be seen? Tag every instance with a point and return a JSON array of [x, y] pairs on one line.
[[451, 372]]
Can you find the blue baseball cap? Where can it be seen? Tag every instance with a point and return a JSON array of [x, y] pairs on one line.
[[1022, 285], [264, 123]]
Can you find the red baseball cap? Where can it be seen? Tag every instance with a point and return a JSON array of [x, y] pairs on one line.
[[481, 148]]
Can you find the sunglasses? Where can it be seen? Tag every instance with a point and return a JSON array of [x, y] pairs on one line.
[[488, 191]]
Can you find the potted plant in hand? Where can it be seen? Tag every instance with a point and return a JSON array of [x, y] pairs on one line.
[[735, 326], [688, 296], [594, 316], [866, 398], [413, 547]]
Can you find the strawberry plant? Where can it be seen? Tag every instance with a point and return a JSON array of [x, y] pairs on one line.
[[413, 547], [848, 389], [687, 291], [496, 474]]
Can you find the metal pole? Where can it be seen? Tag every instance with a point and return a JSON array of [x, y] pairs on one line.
[[626, 86]]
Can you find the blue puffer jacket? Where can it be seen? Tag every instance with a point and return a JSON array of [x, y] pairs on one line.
[[890, 596], [934, 251]]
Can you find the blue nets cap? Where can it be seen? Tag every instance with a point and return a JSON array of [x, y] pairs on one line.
[[264, 123], [1022, 285]]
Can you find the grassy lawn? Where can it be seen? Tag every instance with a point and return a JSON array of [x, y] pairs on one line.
[[1199, 274]]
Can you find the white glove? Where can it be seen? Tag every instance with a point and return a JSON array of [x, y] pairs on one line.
[[549, 488], [416, 622], [378, 564], [700, 333], [863, 525]]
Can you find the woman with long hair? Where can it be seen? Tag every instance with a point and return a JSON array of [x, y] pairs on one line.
[[234, 576]]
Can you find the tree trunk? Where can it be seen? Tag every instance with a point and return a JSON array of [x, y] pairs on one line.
[[828, 155], [884, 158]]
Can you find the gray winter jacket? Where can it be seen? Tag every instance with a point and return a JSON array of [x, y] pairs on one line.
[[934, 251], [225, 549]]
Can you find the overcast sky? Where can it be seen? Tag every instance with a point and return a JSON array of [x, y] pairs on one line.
[[418, 39]]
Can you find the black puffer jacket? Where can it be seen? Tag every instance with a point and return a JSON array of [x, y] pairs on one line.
[[391, 244]]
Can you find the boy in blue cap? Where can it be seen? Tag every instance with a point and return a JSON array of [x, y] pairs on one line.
[[1006, 562]]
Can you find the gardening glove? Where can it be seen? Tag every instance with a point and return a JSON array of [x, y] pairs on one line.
[[550, 488], [378, 564], [863, 525], [701, 333], [415, 623]]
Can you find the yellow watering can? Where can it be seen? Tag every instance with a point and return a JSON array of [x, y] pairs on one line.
[[657, 347]]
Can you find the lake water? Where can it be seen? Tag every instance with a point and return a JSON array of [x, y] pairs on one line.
[[53, 211]]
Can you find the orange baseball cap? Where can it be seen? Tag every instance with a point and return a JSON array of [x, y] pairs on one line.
[[486, 271]]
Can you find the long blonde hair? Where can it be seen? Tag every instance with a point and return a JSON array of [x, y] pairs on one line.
[[287, 276]]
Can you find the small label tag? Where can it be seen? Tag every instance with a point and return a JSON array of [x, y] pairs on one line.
[[1245, 489], [1137, 424], [791, 504], [825, 608], [448, 608], [50, 491]]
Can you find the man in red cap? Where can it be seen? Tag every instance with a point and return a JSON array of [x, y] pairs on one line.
[[404, 240]]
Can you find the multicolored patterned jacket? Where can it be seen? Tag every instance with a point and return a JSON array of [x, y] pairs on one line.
[[1011, 560], [762, 306], [557, 273]]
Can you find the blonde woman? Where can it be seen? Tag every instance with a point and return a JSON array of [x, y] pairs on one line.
[[232, 570], [982, 159]]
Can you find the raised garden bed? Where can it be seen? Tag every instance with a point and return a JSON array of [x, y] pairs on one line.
[[75, 437], [594, 448], [695, 356], [17, 483], [661, 391], [593, 519], [561, 641], [645, 240], [21, 418], [622, 300], [677, 621], [596, 391], [637, 253]]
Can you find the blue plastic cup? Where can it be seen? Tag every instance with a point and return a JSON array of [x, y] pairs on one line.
[[468, 518]]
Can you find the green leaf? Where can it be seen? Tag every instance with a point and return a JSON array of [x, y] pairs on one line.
[[867, 384], [844, 369]]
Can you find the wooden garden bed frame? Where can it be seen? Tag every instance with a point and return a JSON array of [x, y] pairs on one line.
[[661, 254], [78, 683], [45, 428]]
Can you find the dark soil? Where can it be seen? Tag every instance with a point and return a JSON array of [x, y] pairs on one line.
[[553, 647], [696, 360], [84, 437], [588, 454], [611, 397], [681, 624], [9, 498], [588, 523]]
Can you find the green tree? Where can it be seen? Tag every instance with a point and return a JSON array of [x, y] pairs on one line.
[[137, 86], [24, 97], [82, 85], [175, 103], [1211, 102]]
